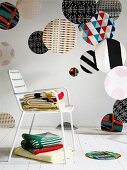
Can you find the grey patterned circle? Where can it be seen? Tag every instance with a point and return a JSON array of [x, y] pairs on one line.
[[36, 44], [79, 11], [120, 110], [112, 7]]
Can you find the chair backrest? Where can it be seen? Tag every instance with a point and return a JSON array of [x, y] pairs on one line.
[[17, 81]]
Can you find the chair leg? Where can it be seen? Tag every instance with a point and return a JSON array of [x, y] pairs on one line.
[[63, 135], [32, 123], [72, 129], [15, 137]]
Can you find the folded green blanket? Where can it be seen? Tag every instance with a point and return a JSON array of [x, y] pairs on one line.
[[41, 140]]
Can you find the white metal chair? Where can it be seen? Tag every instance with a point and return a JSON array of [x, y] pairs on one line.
[[20, 89]]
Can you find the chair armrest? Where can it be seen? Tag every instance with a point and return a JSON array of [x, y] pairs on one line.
[[49, 89], [59, 88]]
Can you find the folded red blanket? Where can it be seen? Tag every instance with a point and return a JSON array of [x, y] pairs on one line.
[[41, 150], [52, 148]]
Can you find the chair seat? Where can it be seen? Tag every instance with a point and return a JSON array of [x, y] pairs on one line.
[[66, 109]]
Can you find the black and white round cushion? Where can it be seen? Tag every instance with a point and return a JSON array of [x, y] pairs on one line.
[[110, 53], [88, 62]]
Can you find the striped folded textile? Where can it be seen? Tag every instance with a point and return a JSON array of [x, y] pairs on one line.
[[41, 140], [41, 150], [42, 106], [41, 101], [52, 157]]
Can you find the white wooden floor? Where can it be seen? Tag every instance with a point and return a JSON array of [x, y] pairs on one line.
[[91, 140]]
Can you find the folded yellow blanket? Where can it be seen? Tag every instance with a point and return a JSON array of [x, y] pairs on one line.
[[52, 157], [43, 106]]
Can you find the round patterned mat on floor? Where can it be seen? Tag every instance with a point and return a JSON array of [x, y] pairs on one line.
[[116, 83], [59, 36], [36, 44], [102, 155], [6, 120], [88, 62], [109, 54], [28, 8], [100, 27], [112, 7], [73, 72], [109, 124], [9, 16], [6, 53], [120, 110], [79, 11]]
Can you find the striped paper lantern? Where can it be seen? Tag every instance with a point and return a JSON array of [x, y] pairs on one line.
[[59, 36], [120, 110], [109, 54], [9, 16], [112, 7], [116, 83], [110, 124], [88, 62]]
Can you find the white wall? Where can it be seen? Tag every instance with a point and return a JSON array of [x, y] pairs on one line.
[[51, 70]]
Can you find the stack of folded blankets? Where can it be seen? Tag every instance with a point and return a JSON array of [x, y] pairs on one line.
[[44, 147], [42, 101]]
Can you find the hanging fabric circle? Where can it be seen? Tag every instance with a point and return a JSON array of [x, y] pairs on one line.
[[110, 124], [9, 16], [59, 36], [88, 62], [28, 8], [102, 155], [6, 120], [116, 83], [79, 11], [36, 44], [73, 72], [6, 53], [120, 110], [100, 27], [109, 54], [112, 7]]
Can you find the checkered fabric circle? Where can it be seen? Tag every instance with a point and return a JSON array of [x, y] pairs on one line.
[[36, 44], [6, 120], [120, 110], [112, 7], [103, 155], [59, 36], [102, 26], [9, 16], [110, 124], [79, 11]]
